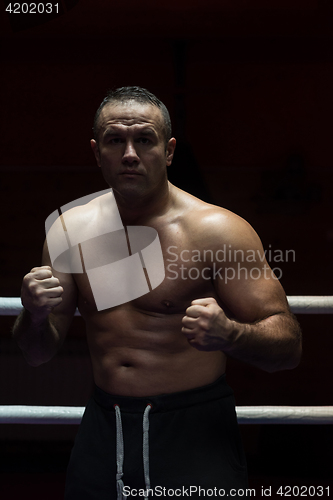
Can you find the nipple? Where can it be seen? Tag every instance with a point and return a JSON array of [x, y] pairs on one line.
[[167, 303]]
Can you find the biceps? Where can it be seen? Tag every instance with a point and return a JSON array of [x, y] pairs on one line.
[[251, 293]]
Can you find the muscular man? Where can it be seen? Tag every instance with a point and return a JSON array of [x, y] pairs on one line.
[[159, 361]]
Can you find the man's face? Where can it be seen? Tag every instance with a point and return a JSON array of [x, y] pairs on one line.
[[131, 150]]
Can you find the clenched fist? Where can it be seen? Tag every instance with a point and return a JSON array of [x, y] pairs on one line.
[[41, 292], [206, 326]]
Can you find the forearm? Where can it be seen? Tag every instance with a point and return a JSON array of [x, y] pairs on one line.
[[271, 344], [38, 339]]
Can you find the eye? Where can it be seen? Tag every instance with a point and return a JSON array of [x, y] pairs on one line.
[[143, 140], [115, 140]]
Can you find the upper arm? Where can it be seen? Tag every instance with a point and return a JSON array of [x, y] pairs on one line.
[[62, 315], [246, 285]]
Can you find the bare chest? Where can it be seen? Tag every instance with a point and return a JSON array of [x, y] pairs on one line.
[[186, 276]]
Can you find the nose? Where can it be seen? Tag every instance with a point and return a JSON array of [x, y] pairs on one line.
[[130, 155]]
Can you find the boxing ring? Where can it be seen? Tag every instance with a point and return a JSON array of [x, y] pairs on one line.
[[18, 414]]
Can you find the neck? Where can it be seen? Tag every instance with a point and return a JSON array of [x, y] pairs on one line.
[[135, 210]]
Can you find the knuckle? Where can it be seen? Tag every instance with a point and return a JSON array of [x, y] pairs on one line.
[[25, 282], [31, 285], [205, 315], [38, 292], [204, 324], [28, 277]]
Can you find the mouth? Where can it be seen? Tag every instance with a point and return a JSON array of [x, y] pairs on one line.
[[130, 173]]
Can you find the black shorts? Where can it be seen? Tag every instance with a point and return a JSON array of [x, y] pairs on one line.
[[194, 446]]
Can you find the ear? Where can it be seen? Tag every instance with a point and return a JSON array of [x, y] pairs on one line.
[[95, 148], [170, 151]]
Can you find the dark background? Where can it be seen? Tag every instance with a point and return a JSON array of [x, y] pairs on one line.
[[249, 87]]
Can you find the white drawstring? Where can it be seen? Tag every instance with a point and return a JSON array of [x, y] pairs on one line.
[[146, 448], [120, 451]]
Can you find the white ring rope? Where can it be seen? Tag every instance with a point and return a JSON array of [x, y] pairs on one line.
[[245, 414], [308, 304], [299, 304], [12, 306]]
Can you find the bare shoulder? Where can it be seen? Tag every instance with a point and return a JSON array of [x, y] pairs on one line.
[[215, 225], [93, 209], [97, 215]]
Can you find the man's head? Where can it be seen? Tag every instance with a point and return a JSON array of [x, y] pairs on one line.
[[139, 95], [131, 145]]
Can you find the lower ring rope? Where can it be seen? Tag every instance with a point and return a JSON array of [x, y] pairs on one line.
[[245, 414], [316, 304]]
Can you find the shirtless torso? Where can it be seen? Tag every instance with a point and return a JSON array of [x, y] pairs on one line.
[[145, 347], [138, 348]]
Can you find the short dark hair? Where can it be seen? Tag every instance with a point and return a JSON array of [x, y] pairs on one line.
[[136, 94]]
